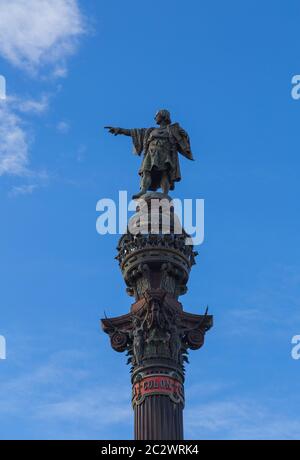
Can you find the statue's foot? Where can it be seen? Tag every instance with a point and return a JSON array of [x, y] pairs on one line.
[[138, 195]]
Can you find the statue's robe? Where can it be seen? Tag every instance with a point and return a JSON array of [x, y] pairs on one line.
[[165, 160]]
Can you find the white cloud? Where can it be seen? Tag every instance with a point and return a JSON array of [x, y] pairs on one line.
[[36, 36], [15, 138], [35, 106], [102, 404], [63, 127], [240, 419], [35, 33], [62, 394], [23, 190], [262, 307], [14, 143]]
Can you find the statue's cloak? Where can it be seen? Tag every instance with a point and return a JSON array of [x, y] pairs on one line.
[[179, 142]]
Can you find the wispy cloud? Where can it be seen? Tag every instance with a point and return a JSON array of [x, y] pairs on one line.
[[34, 106], [14, 142], [264, 304], [16, 135], [35, 34], [22, 190], [63, 399], [240, 419], [63, 395], [63, 127], [100, 405]]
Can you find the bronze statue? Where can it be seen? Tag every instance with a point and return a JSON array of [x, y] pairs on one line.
[[160, 165]]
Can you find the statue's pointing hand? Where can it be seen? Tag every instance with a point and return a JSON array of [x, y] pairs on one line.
[[112, 130]]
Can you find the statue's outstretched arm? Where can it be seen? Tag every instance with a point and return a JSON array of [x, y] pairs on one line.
[[116, 131]]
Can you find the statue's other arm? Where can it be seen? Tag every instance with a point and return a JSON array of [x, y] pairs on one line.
[[116, 131]]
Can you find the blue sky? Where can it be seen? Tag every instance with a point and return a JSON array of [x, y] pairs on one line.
[[224, 70]]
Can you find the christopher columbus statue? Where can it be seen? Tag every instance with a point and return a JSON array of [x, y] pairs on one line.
[[160, 165]]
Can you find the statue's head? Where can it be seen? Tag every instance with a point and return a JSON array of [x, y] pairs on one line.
[[163, 115]]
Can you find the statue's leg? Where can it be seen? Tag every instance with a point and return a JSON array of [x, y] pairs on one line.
[[145, 184], [165, 183]]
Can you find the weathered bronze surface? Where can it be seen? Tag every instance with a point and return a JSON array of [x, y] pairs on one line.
[[157, 333], [160, 165]]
